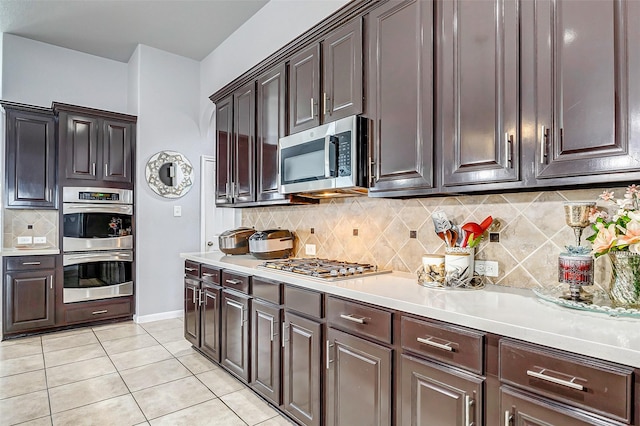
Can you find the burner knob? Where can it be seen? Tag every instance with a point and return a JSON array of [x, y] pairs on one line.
[[333, 273], [360, 269], [352, 271], [343, 271]]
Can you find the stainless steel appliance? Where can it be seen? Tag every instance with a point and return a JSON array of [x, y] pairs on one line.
[[97, 275], [97, 243], [330, 270], [97, 219], [235, 241], [271, 244], [326, 161]]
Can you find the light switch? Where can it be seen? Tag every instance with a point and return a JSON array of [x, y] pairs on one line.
[[25, 240], [177, 211]]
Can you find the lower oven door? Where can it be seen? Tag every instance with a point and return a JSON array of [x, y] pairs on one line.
[[97, 275]]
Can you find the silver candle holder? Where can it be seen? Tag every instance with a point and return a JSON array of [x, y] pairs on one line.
[[575, 266]]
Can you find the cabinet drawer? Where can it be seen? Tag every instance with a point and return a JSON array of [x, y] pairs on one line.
[[23, 263], [361, 319], [447, 343], [210, 274], [236, 281], [192, 268], [96, 312], [595, 385], [307, 302], [268, 290]]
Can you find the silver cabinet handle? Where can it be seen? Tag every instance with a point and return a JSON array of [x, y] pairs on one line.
[[507, 418], [509, 149], [544, 135], [284, 340], [189, 269], [50, 194], [106, 169], [567, 383], [351, 318], [312, 114], [51, 282], [371, 175], [206, 274], [104, 311], [93, 169], [30, 263], [233, 282], [468, 402], [271, 325], [329, 346], [429, 341], [194, 295]]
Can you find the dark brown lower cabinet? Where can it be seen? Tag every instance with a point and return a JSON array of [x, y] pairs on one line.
[[28, 294], [265, 350], [192, 311], [301, 369], [234, 354], [210, 320], [435, 394], [520, 409], [358, 381]]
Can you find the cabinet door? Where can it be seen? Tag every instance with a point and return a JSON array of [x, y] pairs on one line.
[[116, 151], [478, 91], [191, 311], [271, 120], [401, 95], [30, 159], [342, 72], [521, 409], [434, 394], [301, 368], [29, 300], [79, 134], [235, 333], [224, 147], [265, 350], [358, 385], [210, 321], [244, 144], [304, 89], [582, 75]]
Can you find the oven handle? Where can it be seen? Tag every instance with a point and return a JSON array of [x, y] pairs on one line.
[[74, 259], [70, 208]]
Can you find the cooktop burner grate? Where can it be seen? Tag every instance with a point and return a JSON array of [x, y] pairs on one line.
[[323, 268]]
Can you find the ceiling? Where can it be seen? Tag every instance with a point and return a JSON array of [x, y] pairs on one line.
[[113, 28]]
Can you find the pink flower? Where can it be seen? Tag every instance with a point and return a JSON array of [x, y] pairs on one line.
[[631, 234], [607, 196], [605, 239]]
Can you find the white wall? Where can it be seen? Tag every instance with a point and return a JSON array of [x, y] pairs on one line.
[[167, 87], [272, 27], [38, 73]]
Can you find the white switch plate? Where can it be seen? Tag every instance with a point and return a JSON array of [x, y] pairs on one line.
[[310, 249], [39, 240], [25, 240], [177, 211], [488, 268]]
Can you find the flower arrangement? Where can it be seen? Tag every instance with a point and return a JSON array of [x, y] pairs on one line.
[[621, 230]]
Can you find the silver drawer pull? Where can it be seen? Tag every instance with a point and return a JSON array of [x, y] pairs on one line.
[[568, 383], [429, 341], [189, 269], [31, 263], [206, 274], [233, 282], [350, 317], [104, 311]]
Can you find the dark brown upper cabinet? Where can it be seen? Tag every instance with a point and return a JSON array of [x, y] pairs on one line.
[[400, 95], [30, 157], [235, 147], [582, 113], [478, 91], [96, 147], [340, 71], [271, 126]]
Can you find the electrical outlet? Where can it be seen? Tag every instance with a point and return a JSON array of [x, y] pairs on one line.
[[488, 268], [310, 249], [39, 240], [25, 240], [177, 211]]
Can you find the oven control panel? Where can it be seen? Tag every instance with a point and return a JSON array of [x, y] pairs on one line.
[[98, 196]]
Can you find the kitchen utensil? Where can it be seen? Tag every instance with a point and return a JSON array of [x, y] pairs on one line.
[[235, 241], [471, 228], [271, 244], [441, 225]]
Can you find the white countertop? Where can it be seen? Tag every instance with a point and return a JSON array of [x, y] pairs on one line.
[[506, 311], [29, 251]]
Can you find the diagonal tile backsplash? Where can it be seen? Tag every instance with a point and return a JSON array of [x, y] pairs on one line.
[[30, 223], [530, 225]]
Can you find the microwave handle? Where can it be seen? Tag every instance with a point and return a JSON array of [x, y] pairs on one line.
[[330, 146]]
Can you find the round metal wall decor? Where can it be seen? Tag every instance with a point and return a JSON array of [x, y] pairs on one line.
[[169, 174]]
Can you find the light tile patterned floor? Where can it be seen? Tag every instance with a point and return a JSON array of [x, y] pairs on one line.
[[122, 374]]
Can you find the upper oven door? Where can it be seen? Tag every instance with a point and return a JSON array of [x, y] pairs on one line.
[[89, 227]]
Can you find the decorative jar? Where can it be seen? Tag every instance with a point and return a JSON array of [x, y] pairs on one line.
[[624, 290]]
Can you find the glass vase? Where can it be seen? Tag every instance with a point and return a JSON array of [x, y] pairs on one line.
[[625, 284]]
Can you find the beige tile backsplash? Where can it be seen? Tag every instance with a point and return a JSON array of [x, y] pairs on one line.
[[531, 227], [16, 224]]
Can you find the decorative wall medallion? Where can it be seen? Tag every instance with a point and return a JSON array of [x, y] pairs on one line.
[[169, 174]]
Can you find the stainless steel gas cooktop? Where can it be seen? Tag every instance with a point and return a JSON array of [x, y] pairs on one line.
[[325, 269]]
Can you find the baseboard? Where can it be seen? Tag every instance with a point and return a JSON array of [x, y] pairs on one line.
[[157, 317]]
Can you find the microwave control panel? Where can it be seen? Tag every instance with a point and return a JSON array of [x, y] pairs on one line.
[[344, 154]]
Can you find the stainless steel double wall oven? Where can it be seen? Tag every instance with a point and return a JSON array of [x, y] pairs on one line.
[[97, 243]]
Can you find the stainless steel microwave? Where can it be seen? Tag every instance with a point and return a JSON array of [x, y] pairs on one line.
[[326, 161]]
